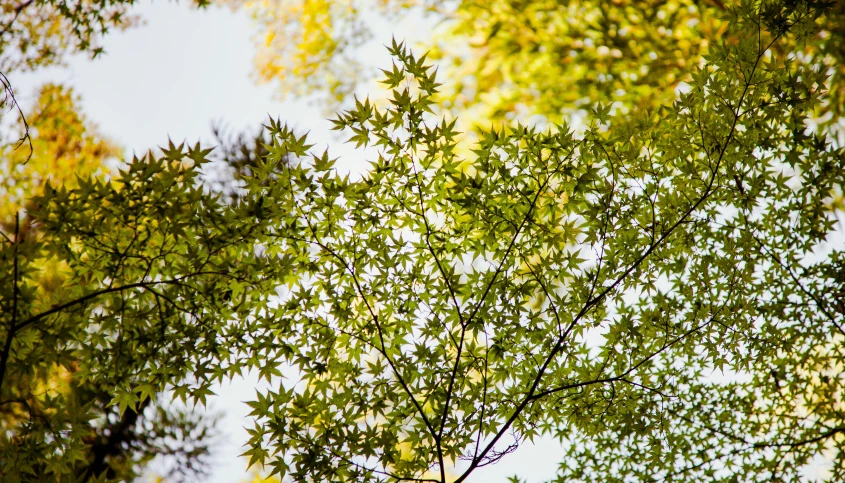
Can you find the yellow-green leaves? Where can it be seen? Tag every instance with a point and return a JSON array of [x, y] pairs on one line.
[[65, 145], [450, 307], [469, 294], [156, 274]]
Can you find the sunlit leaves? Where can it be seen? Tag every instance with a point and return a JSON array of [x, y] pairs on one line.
[[156, 276], [457, 300], [451, 307], [65, 145]]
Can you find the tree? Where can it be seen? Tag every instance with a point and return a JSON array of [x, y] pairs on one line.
[[46, 391], [65, 144], [448, 309], [155, 273], [506, 58], [424, 320]]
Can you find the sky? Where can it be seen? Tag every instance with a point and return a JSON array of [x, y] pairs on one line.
[[174, 75]]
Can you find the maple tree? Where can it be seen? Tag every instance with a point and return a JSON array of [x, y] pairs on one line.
[[529, 59], [44, 390], [468, 294], [581, 286], [44, 393]]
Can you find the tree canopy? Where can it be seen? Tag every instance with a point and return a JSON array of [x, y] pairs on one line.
[[657, 285], [506, 58]]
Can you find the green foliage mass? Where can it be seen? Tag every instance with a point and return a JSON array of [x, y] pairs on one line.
[[526, 59], [153, 272], [448, 309], [423, 321], [550, 58], [64, 145]]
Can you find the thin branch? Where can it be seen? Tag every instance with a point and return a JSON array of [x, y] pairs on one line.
[[10, 94], [795, 444], [97, 293], [10, 334], [819, 303], [20, 8], [628, 371], [376, 321], [445, 414]]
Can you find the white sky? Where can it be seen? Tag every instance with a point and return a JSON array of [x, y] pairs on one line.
[[172, 77]]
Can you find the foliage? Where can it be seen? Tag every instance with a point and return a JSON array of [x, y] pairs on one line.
[[50, 397], [426, 319], [448, 309], [537, 58], [239, 154], [40, 32], [63, 145], [304, 43], [66, 145], [507, 58], [149, 272]]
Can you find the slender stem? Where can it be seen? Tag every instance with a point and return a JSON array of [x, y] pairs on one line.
[[10, 335]]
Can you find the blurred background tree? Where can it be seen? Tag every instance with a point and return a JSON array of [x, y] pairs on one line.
[[64, 145], [502, 59]]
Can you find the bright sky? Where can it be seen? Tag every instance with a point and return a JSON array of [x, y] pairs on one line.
[[175, 75]]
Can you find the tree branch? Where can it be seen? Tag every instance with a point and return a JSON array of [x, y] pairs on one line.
[[10, 94], [10, 334]]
